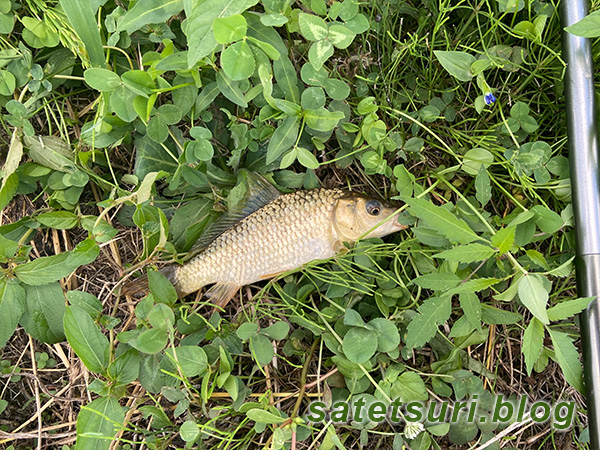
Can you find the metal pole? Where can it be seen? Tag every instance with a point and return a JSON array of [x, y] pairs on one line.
[[584, 158]]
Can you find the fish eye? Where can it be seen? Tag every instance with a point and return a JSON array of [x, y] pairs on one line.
[[373, 207]]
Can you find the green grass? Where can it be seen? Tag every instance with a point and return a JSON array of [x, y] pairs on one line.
[[477, 297]]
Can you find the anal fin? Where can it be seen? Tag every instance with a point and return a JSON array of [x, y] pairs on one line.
[[221, 294]]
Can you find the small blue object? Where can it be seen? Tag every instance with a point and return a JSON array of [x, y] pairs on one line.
[[489, 98]]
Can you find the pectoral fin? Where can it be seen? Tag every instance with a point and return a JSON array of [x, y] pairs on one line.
[[220, 294], [272, 275]]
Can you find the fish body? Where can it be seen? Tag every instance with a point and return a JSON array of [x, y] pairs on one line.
[[278, 233]]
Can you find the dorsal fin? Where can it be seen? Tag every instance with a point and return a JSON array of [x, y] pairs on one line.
[[259, 192]]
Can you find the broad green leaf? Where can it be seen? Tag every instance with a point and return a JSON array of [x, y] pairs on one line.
[[469, 302], [527, 29], [467, 253], [483, 187], [510, 6], [190, 359], [139, 82], [270, 51], [504, 239], [152, 157], [306, 158], [86, 301], [312, 27], [288, 158], [322, 119], [230, 89], [125, 368], [157, 129], [352, 318], [475, 159], [283, 138], [533, 340], [568, 308], [261, 349], [285, 75], [230, 29], [496, 316], [367, 105], [86, 339], [175, 61], [13, 159], [144, 192], [161, 317], [567, 357], [410, 387], [340, 36], [588, 27], [273, 20], [161, 288], [443, 221], [12, 306], [52, 268], [277, 331], [314, 77], [359, 24], [189, 431], [388, 338], [534, 296], [336, 89], [433, 312], [564, 269], [320, 52], [8, 83], [38, 34], [238, 61], [266, 34], [8, 190], [121, 101], [102, 80], [150, 341], [97, 424], [50, 151], [457, 64], [7, 23], [246, 330], [313, 98], [288, 108], [199, 22], [474, 285], [169, 113], [145, 12], [44, 311], [83, 19], [437, 281], [8, 248], [61, 220], [359, 344], [547, 220], [262, 416]]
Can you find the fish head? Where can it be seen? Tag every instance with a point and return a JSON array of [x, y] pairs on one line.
[[356, 215]]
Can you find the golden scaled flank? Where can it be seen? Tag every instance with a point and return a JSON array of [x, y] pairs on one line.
[[288, 231]]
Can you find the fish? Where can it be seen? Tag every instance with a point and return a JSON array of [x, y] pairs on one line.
[[272, 233]]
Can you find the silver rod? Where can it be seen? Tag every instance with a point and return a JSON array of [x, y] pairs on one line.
[[584, 159]]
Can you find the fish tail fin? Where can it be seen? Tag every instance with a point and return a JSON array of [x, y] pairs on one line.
[[136, 287], [139, 286]]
